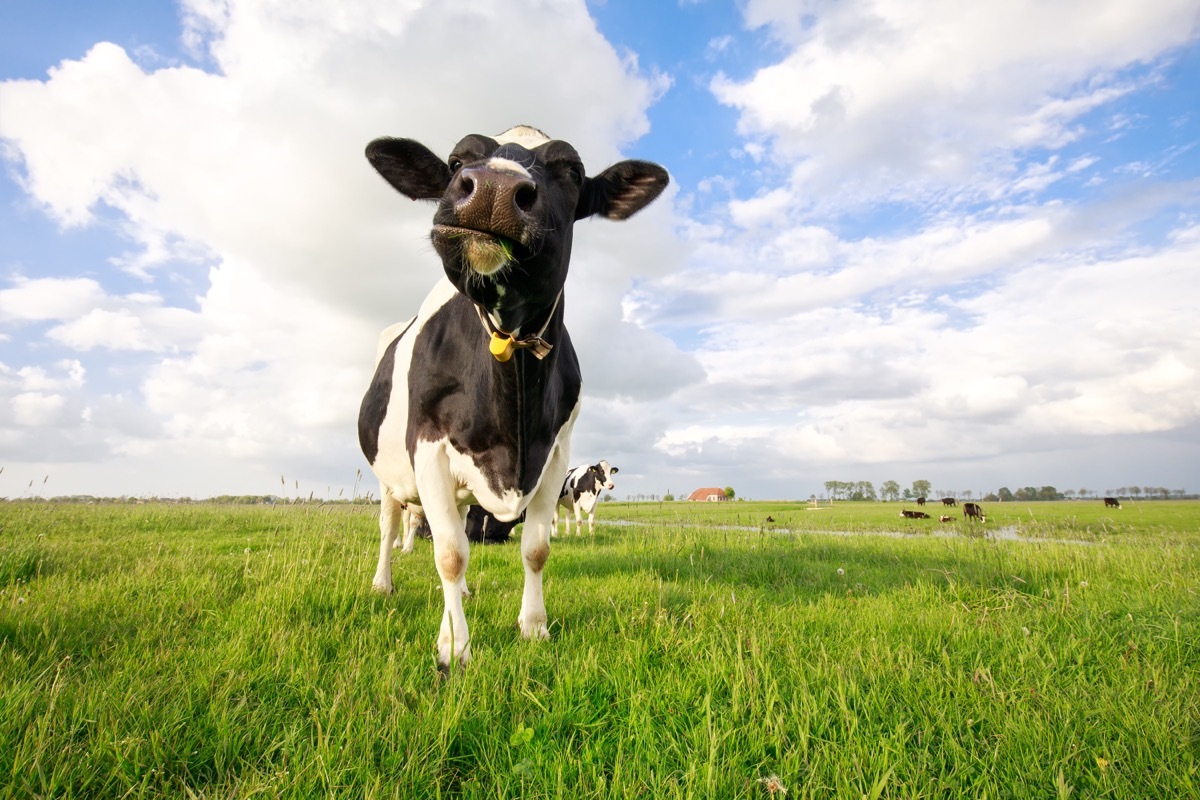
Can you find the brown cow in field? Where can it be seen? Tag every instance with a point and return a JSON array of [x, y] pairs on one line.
[[973, 511], [1112, 502]]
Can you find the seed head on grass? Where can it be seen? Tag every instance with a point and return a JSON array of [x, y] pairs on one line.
[[773, 785]]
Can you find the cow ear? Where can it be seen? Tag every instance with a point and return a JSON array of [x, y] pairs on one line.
[[622, 190], [410, 167]]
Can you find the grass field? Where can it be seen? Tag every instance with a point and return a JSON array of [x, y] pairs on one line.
[[696, 651]]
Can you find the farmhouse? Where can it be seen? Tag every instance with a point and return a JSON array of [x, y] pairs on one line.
[[710, 495]]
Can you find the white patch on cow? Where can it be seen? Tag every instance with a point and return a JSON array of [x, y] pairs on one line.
[[523, 135], [508, 165]]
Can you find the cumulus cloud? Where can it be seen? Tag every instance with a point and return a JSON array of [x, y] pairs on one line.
[[247, 177]]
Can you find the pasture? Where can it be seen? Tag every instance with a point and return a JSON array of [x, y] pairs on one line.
[[696, 651]]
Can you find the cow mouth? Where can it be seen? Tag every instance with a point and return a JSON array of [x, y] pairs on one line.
[[486, 253]]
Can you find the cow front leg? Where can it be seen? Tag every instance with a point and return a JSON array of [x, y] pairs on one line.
[[390, 511], [451, 552]]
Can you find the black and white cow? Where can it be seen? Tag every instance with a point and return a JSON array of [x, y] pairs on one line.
[[473, 400], [906, 514], [581, 492], [483, 527], [973, 511]]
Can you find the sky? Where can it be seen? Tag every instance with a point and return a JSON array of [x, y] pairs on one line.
[[921, 240]]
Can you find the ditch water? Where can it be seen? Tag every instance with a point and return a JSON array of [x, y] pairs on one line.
[[1006, 533]]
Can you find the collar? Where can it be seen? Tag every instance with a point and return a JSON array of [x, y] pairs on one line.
[[503, 344]]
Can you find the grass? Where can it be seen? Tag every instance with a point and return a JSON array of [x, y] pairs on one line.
[[696, 651]]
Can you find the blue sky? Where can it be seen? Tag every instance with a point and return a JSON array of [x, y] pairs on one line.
[[919, 241]]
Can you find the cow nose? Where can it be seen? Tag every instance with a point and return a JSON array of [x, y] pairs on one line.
[[494, 201]]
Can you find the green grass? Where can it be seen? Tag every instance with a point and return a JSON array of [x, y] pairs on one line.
[[175, 651]]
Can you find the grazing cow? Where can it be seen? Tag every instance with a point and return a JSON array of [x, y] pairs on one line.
[[944, 518], [973, 511], [415, 524], [473, 400], [581, 492], [770, 518], [949, 501], [483, 527], [906, 514], [920, 501], [1112, 502]]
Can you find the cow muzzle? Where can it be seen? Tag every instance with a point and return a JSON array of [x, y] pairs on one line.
[[490, 214]]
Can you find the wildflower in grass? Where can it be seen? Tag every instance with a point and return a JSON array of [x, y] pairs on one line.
[[1102, 763], [1024, 630], [841, 571], [1083, 584]]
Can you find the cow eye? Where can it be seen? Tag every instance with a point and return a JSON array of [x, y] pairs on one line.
[[455, 164], [576, 175]]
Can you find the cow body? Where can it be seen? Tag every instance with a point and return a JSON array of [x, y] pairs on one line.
[[581, 492], [973, 511], [473, 400], [920, 501], [1112, 502], [906, 514], [949, 501]]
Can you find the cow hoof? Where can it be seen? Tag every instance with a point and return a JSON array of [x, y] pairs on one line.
[[534, 631], [445, 657], [381, 587]]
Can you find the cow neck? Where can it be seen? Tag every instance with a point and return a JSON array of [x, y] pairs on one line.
[[502, 343]]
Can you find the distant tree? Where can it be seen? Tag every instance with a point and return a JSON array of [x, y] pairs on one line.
[[668, 497], [921, 488], [863, 490], [990, 497], [1026, 494], [890, 491], [730, 493], [908, 494], [1005, 495], [1048, 493], [1135, 491], [968, 494], [1069, 494]]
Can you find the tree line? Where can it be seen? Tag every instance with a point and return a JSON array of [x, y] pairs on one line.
[[890, 491]]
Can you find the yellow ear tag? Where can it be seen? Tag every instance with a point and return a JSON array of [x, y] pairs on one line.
[[501, 347]]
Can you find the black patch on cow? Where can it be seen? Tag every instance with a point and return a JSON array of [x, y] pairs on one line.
[[505, 416], [375, 402]]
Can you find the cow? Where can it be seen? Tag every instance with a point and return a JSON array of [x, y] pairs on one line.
[[1112, 502], [973, 511], [473, 399], [483, 527], [945, 518], [920, 501], [414, 524], [906, 514], [581, 492], [949, 501]]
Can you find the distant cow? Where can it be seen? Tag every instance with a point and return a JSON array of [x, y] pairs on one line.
[[906, 514], [581, 492], [1112, 502], [973, 511], [944, 518], [920, 501], [473, 399], [949, 501], [483, 527], [415, 524]]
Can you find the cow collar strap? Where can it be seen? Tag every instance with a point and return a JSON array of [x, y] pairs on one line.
[[503, 344]]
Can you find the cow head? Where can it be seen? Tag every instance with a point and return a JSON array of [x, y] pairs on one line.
[[506, 206], [604, 472]]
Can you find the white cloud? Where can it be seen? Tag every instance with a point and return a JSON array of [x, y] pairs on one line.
[[909, 96]]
